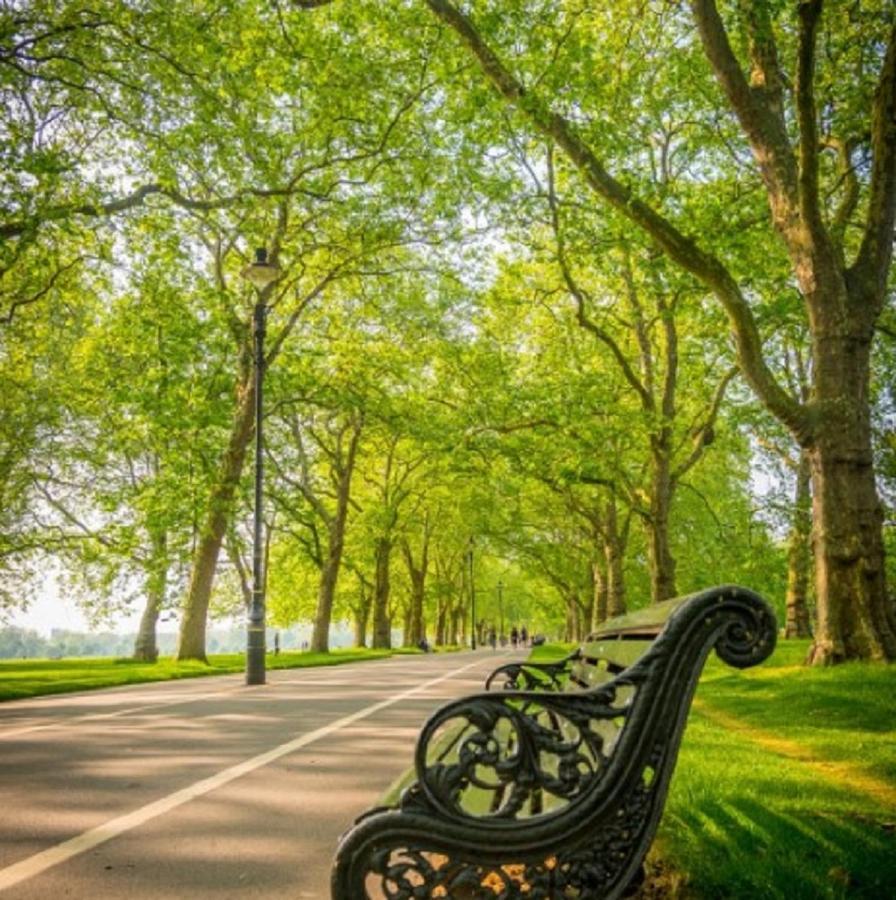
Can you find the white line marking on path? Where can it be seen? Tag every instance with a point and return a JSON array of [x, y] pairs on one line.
[[53, 856]]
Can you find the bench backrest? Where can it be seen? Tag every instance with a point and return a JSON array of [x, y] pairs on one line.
[[619, 643]]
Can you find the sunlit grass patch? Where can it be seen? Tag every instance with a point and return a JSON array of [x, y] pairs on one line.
[[35, 677], [745, 821]]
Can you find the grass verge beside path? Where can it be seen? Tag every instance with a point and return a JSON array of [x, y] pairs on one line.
[[784, 785], [34, 677]]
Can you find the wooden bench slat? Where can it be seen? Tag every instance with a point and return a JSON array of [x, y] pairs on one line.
[[620, 652], [648, 621]]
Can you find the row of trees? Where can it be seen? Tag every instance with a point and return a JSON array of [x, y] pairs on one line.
[[514, 244]]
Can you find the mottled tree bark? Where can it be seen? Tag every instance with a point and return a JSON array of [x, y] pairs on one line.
[[573, 628], [146, 646], [799, 555], [661, 561], [329, 575], [856, 619], [417, 570], [614, 552], [205, 560], [415, 625], [361, 610], [326, 589], [382, 626], [600, 596], [441, 622], [459, 620], [362, 614]]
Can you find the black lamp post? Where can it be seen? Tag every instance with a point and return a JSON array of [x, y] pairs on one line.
[[262, 274], [501, 607], [472, 596]]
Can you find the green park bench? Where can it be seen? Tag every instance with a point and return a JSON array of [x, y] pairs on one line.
[[554, 786]]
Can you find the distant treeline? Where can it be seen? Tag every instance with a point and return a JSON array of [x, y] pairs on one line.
[[25, 643]]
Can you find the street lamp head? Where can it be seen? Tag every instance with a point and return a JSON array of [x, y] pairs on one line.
[[261, 272]]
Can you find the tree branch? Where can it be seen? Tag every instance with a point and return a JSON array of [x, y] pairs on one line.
[[682, 249], [580, 296], [851, 190], [641, 334], [765, 130], [807, 116], [873, 260], [704, 436], [18, 302]]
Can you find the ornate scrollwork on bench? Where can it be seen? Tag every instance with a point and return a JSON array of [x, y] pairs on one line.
[[514, 754], [584, 872], [525, 676], [542, 795]]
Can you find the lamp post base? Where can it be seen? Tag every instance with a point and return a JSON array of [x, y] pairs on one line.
[[255, 655]]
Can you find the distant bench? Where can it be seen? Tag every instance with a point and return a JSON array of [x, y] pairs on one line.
[[554, 786]]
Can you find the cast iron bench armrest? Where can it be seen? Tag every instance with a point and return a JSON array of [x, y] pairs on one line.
[[528, 676], [542, 794]]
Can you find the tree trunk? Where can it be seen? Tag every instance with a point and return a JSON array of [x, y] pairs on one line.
[[326, 589], [320, 638], [415, 620], [146, 647], [599, 599], [416, 629], [799, 555], [660, 559], [191, 644], [382, 628], [614, 551], [459, 621], [362, 612], [574, 619], [441, 621], [856, 619]]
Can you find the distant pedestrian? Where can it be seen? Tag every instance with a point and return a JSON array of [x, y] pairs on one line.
[[492, 639], [524, 636], [514, 637]]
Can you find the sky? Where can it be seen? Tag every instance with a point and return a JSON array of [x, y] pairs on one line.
[[49, 609]]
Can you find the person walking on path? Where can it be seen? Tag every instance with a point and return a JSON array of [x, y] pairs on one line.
[[492, 640], [524, 637], [514, 637]]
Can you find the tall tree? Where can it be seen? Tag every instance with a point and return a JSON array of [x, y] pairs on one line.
[[842, 282], [326, 449]]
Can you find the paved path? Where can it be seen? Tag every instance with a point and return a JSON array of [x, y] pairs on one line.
[[206, 788]]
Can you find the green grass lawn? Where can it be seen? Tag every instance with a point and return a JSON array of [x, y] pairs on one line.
[[33, 677], [743, 820], [550, 652]]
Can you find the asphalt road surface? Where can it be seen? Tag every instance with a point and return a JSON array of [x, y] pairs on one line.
[[206, 788]]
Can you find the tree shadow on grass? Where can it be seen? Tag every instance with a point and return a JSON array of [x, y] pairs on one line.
[[742, 848]]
